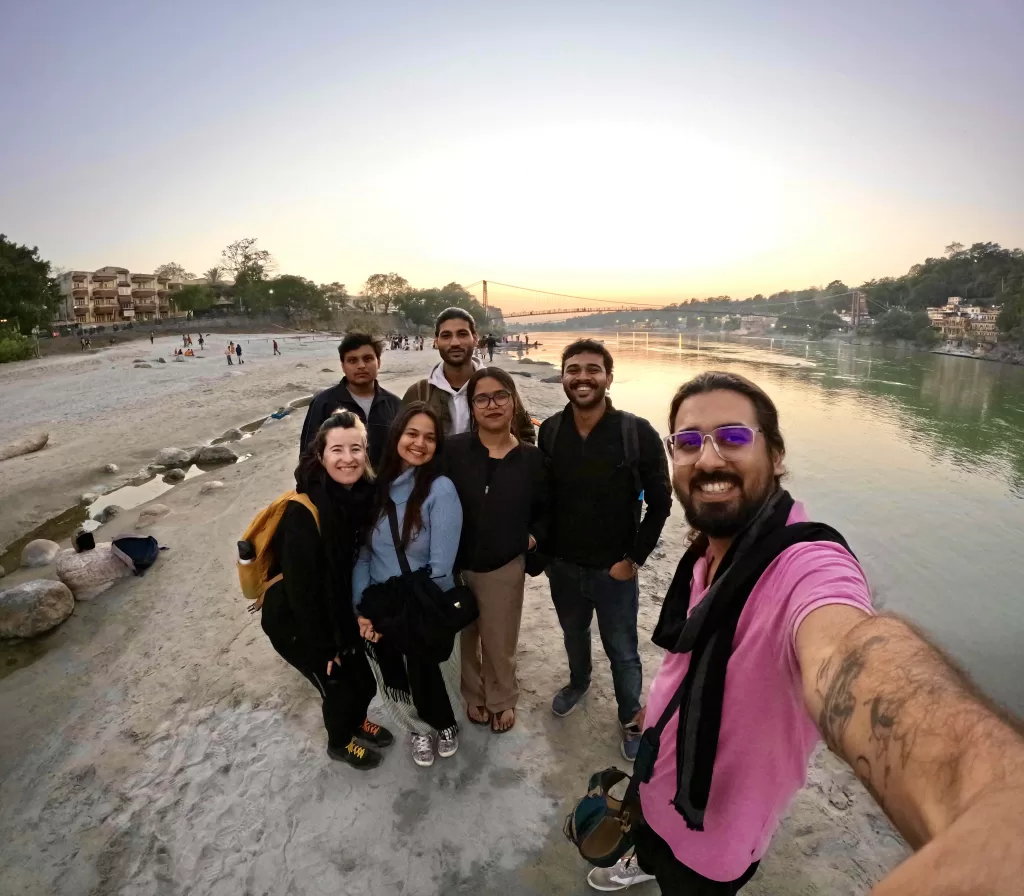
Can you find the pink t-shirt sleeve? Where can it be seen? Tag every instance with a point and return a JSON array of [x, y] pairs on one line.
[[817, 574]]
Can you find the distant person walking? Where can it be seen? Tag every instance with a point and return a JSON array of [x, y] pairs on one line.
[[277, 351], [502, 486], [230, 353], [150, 338], [201, 342], [491, 343], [238, 352]]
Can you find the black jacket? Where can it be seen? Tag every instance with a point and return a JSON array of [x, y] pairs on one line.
[[498, 516], [383, 410], [593, 497]]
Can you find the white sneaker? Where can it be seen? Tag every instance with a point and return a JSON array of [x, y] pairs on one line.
[[423, 750], [447, 742], [621, 875]]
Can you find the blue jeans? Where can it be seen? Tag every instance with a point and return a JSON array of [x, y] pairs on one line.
[[577, 591]]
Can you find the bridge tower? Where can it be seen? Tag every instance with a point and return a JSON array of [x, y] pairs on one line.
[[485, 293]]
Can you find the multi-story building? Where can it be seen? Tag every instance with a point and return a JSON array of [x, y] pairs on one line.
[[958, 322], [115, 295]]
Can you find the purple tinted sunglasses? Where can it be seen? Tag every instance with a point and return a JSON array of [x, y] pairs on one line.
[[729, 442]]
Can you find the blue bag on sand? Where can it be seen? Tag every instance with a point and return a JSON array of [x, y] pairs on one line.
[[139, 552]]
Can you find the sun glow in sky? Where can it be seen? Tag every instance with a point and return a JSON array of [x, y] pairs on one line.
[[645, 150]]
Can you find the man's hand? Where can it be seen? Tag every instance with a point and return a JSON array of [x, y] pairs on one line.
[[366, 630], [622, 571], [944, 764]]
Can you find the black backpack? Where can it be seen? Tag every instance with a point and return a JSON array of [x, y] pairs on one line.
[[630, 448]]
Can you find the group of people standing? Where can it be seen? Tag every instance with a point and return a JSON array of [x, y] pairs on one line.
[[770, 638]]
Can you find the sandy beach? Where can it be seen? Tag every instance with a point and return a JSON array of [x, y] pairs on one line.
[[155, 744]]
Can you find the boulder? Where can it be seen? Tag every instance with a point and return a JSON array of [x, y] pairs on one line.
[[3, 572], [25, 445], [173, 457], [326, 370], [138, 360], [110, 468], [217, 454], [211, 486], [88, 498], [108, 513], [300, 365], [140, 366], [160, 360], [527, 361], [152, 514], [34, 607], [175, 475], [296, 387], [39, 552], [91, 573], [232, 435], [520, 373], [301, 402]]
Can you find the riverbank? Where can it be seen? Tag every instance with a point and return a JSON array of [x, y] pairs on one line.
[[154, 743]]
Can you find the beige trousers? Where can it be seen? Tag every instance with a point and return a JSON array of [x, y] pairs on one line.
[[489, 644]]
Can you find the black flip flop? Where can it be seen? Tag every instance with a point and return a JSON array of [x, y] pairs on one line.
[[503, 730], [475, 721]]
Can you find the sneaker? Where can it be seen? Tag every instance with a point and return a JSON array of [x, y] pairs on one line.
[[356, 755], [375, 735], [631, 740], [566, 699], [621, 875], [448, 742], [422, 750]]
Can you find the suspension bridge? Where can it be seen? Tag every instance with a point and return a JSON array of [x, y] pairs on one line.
[[525, 296]]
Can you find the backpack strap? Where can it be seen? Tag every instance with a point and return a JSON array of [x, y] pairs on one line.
[[423, 390], [396, 536], [307, 502], [631, 459]]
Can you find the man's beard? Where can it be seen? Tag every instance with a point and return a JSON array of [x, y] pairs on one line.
[[467, 357], [595, 398], [722, 519]]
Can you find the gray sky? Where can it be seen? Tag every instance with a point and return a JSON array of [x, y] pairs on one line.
[[641, 149]]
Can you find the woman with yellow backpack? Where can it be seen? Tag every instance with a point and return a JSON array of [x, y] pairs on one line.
[[307, 609]]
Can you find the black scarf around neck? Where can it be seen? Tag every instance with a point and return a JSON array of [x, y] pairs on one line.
[[707, 635]]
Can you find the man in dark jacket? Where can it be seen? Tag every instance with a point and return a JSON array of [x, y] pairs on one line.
[[595, 533], [357, 392]]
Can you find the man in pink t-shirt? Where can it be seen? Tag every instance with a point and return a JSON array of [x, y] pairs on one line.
[[803, 653]]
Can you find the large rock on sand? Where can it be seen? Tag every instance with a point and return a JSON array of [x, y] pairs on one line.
[[110, 468], [26, 445], [39, 552], [175, 475], [173, 457], [216, 454], [211, 486], [152, 514], [552, 379], [91, 573], [301, 402], [34, 607], [108, 513]]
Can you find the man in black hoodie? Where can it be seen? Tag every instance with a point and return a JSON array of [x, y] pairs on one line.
[[357, 392]]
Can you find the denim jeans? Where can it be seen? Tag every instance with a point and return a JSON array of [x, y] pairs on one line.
[[577, 591]]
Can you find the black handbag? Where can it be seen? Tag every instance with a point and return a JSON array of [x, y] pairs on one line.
[[456, 608]]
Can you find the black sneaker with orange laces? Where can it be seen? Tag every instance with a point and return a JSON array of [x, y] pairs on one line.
[[356, 755], [375, 735]]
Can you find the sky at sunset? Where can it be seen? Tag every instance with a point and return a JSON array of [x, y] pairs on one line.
[[644, 150]]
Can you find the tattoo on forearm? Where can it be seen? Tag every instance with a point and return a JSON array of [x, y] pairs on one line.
[[839, 703]]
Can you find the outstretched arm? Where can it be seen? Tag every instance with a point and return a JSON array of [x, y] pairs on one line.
[[944, 764]]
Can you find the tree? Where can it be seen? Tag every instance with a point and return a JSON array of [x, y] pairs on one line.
[[250, 266], [385, 289], [692, 322], [421, 306], [213, 275], [173, 271], [335, 294], [829, 322], [299, 297], [900, 324], [193, 297], [1011, 319], [732, 323], [29, 294]]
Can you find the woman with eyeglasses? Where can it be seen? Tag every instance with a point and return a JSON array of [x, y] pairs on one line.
[[307, 614], [502, 486]]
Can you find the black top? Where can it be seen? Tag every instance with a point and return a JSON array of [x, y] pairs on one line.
[[383, 410], [504, 500], [593, 497]]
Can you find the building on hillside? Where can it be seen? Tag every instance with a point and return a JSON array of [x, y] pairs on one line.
[[958, 322], [114, 295]]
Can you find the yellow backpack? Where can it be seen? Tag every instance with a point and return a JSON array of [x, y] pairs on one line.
[[256, 542]]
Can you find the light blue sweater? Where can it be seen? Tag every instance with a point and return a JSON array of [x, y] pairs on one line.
[[434, 545]]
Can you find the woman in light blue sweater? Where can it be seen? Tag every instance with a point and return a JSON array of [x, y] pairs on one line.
[[418, 694]]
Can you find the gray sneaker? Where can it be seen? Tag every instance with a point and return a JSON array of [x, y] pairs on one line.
[[448, 742], [422, 750], [621, 875], [566, 699]]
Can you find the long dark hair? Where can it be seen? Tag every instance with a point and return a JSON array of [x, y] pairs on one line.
[[509, 384], [423, 477], [311, 469]]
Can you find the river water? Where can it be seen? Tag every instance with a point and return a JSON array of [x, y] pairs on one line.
[[917, 458]]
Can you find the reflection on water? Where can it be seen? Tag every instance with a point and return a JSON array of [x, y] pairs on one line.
[[917, 458]]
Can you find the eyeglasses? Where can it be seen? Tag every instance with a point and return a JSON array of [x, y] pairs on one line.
[[729, 442], [500, 399]]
